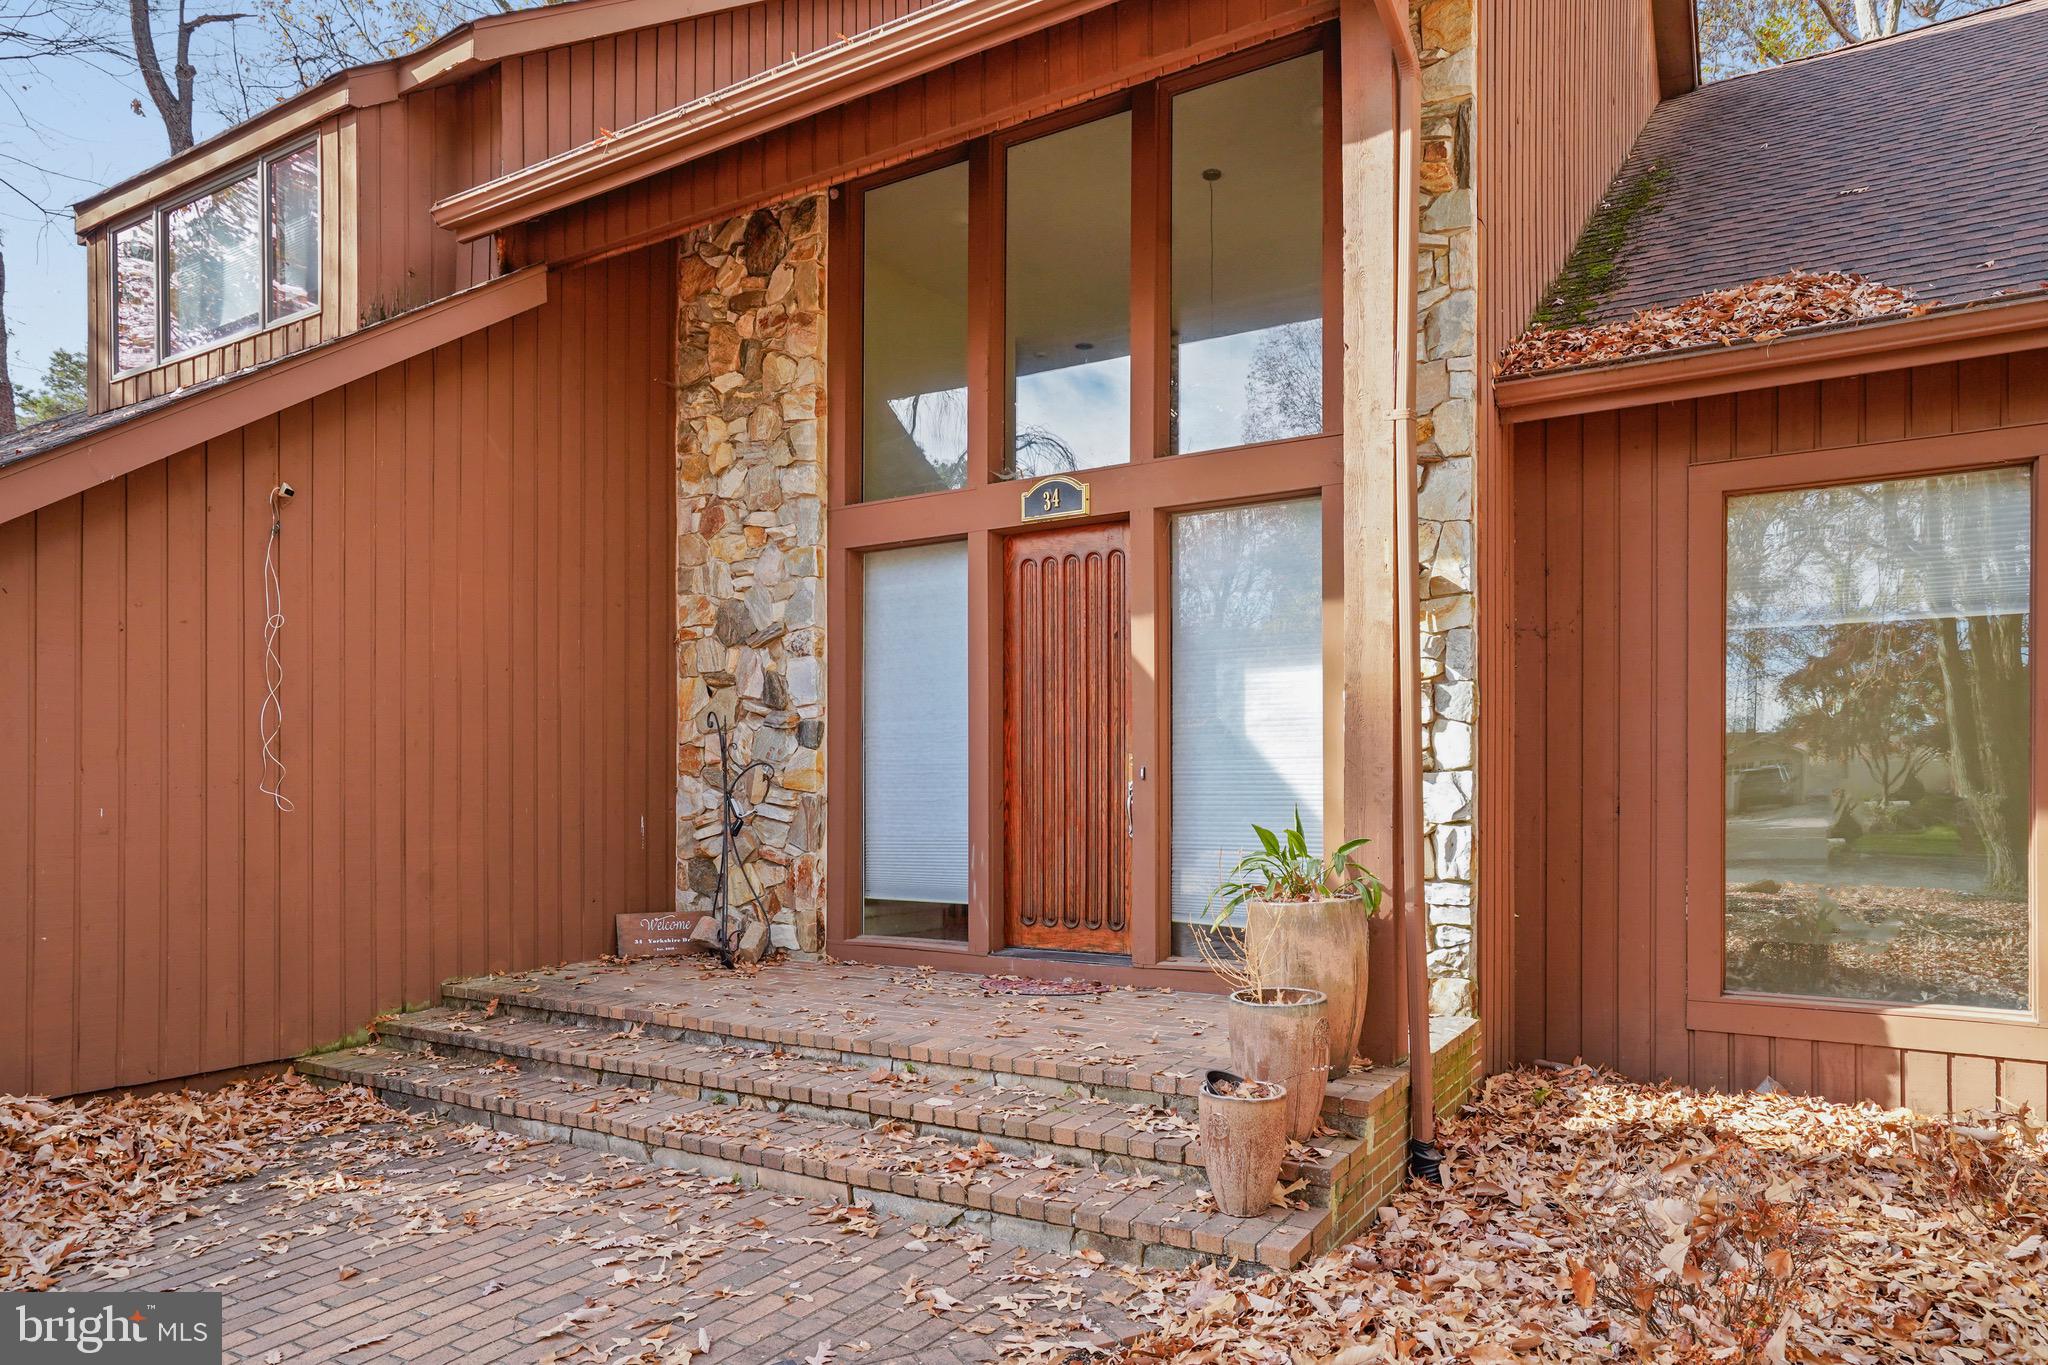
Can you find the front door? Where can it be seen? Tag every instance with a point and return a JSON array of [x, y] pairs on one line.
[[1066, 739]]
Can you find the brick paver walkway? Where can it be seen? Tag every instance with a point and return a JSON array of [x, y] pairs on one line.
[[437, 1243]]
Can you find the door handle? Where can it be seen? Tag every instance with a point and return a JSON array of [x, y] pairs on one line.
[[1130, 798]]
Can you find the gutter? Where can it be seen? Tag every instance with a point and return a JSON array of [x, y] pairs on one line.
[[1423, 1158], [1961, 333]]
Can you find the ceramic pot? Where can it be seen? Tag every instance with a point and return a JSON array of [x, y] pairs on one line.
[[1282, 1033], [1321, 946], [1244, 1139]]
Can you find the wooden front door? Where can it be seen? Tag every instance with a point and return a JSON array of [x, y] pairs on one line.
[[1066, 739]]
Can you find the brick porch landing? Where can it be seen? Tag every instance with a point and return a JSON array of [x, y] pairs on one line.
[[1058, 1122]]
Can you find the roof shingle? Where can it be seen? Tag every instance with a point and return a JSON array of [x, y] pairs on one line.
[[1919, 161]]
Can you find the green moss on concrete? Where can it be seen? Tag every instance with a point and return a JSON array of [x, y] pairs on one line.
[[1593, 269]]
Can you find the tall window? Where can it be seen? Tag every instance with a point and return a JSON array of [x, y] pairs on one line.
[[241, 255], [1067, 306], [914, 742], [1877, 785], [1247, 276], [1247, 689], [914, 335]]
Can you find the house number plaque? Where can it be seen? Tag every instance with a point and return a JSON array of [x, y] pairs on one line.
[[1054, 497]]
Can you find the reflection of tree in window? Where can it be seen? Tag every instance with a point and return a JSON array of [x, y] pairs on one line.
[[1877, 792], [135, 296], [295, 232], [214, 274]]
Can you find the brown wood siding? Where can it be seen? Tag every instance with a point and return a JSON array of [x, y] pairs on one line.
[[561, 98], [1060, 67], [408, 153], [477, 580], [1562, 91], [1597, 726]]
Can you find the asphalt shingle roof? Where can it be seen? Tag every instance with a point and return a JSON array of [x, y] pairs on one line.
[[1919, 161]]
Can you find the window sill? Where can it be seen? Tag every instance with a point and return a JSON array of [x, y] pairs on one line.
[[1988, 1033]]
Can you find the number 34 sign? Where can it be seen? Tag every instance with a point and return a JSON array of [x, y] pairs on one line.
[[1058, 496]]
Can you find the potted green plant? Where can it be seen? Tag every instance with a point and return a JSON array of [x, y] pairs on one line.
[[1304, 924]]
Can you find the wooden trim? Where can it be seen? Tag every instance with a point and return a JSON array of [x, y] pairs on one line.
[[1860, 348], [462, 52], [2010, 1034], [260, 137], [890, 54], [1143, 493], [188, 420]]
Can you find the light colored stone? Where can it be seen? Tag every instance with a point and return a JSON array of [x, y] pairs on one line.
[[1447, 492]]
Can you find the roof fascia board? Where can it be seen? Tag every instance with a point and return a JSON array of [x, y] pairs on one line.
[[460, 52], [1935, 338], [881, 57], [356, 89], [183, 423]]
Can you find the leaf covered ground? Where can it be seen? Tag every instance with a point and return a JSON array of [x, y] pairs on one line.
[[1593, 1218], [1762, 310], [87, 1182], [1588, 1218]]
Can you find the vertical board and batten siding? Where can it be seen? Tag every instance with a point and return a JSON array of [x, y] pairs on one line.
[[409, 152], [1562, 90], [1067, 64], [478, 719], [1599, 715], [565, 96]]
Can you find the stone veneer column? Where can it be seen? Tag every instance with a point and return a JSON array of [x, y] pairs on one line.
[[1444, 395], [750, 534]]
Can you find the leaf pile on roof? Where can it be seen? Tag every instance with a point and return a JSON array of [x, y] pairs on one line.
[[1594, 1218], [82, 1181], [1762, 310]]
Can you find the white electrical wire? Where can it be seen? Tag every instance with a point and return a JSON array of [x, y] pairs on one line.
[[270, 716]]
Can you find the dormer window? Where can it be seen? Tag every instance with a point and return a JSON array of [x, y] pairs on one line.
[[241, 255]]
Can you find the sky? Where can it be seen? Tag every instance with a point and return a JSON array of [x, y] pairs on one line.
[[66, 129]]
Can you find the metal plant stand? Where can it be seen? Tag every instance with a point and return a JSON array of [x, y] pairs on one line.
[[730, 825]]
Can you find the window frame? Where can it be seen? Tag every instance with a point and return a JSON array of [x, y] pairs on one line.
[[157, 218], [1144, 492], [1710, 1006]]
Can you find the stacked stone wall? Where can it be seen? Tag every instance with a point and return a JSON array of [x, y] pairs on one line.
[[750, 552]]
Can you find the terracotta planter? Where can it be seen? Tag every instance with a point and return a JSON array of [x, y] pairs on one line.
[[1282, 1033], [1244, 1138], [1320, 945]]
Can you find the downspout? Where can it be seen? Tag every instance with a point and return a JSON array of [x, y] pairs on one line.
[[1423, 1158]]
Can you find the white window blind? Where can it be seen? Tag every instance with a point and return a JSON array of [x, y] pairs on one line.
[[914, 725], [1951, 545], [1247, 686]]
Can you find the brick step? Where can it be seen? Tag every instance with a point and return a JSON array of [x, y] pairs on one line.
[[1139, 1218], [959, 1038], [1020, 1115]]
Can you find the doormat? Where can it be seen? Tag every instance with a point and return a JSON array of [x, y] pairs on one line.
[[1025, 985]]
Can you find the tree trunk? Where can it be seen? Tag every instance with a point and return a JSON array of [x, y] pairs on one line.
[[1986, 692], [6, 375]]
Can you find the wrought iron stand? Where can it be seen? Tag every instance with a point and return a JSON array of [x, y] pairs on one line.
[[730, 826]]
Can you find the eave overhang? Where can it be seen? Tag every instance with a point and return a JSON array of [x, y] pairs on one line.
[[890, 54], [1823, 353], [183, 420], [462, 52]]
